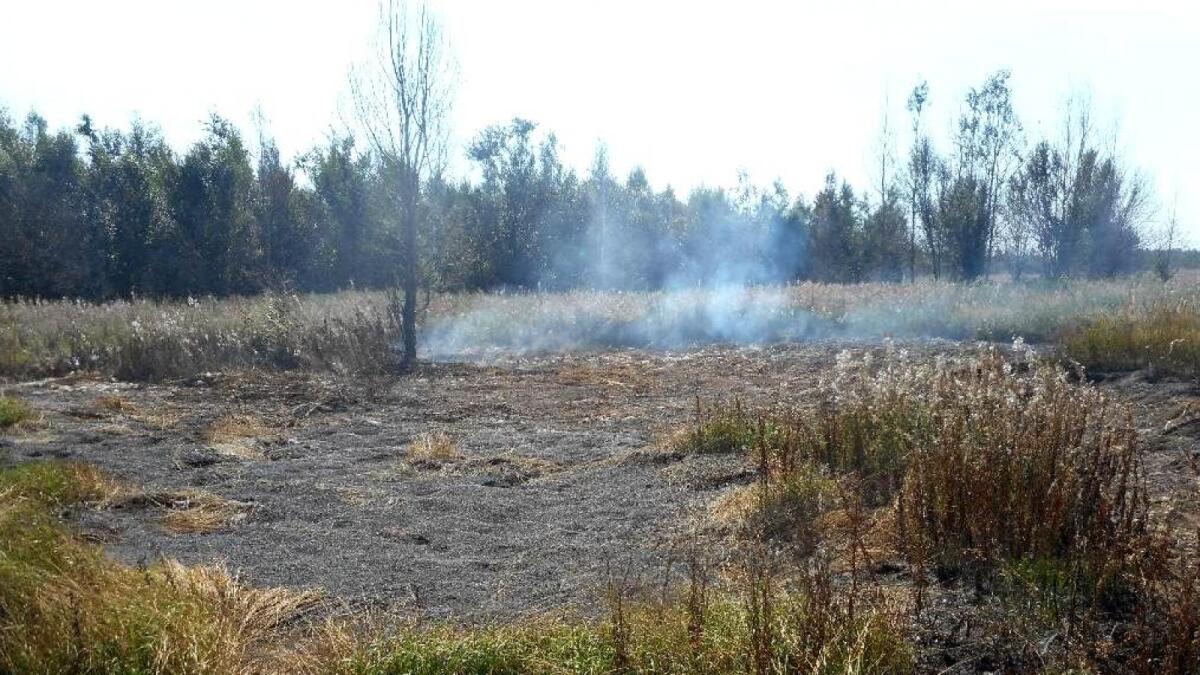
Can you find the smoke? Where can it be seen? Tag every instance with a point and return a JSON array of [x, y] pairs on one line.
[[706, 278], [482, 326], [534, 323]]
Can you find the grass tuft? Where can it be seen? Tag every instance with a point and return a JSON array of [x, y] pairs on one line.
[[198, 512], [14, 411], [717, 429], [433, 448]]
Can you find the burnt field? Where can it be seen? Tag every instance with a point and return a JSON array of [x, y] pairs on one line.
[[519, 488], [462, 490]]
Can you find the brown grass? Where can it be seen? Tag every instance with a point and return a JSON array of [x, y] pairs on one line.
[[115, 404], [984, 469], [236, 434], [353, 332], [198, 512], [236, 426], [433, 448]]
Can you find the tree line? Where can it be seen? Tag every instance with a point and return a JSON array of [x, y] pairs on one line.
[[101, 213]]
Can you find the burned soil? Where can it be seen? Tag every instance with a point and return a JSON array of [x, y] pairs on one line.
[[464, 491]]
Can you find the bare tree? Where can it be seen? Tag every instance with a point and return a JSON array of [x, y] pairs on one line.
[[1166, 245], [402, 103]]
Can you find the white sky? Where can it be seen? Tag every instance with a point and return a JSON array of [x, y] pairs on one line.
[[692, 91]]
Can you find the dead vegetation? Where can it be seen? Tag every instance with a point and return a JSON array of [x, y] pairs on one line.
[[239, 435], [197, 511], [438, 451], [353, 332], [433, 450], [980, 472], [65, 607]]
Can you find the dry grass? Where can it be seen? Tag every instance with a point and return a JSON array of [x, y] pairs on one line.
[[197, 511], [161, 418], [979, 458], [236, 435], [982, 469], [64, 607], [434, 448], [115, 404], [235, 427], [1164, 338], [355, 332], [628, 377], [14, 411], [141, 339]]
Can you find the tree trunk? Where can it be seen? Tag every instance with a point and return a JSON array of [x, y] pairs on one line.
[[408, 242]]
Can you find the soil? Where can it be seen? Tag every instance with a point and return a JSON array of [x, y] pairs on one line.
[[549, 492]]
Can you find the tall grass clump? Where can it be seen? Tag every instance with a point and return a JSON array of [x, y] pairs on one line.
[[66, 608], [990, 458], [1004, 470], [13, 411], [1164, 338], [715, 429]]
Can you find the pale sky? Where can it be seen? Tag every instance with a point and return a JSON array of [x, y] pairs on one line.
[[692, 91]]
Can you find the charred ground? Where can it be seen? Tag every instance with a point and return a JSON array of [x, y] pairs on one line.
[[551, 481]]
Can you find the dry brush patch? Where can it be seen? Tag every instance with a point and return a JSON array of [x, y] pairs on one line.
[[198, 511], [432, 450], [983, 470], [237, 435], [65, 607]]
